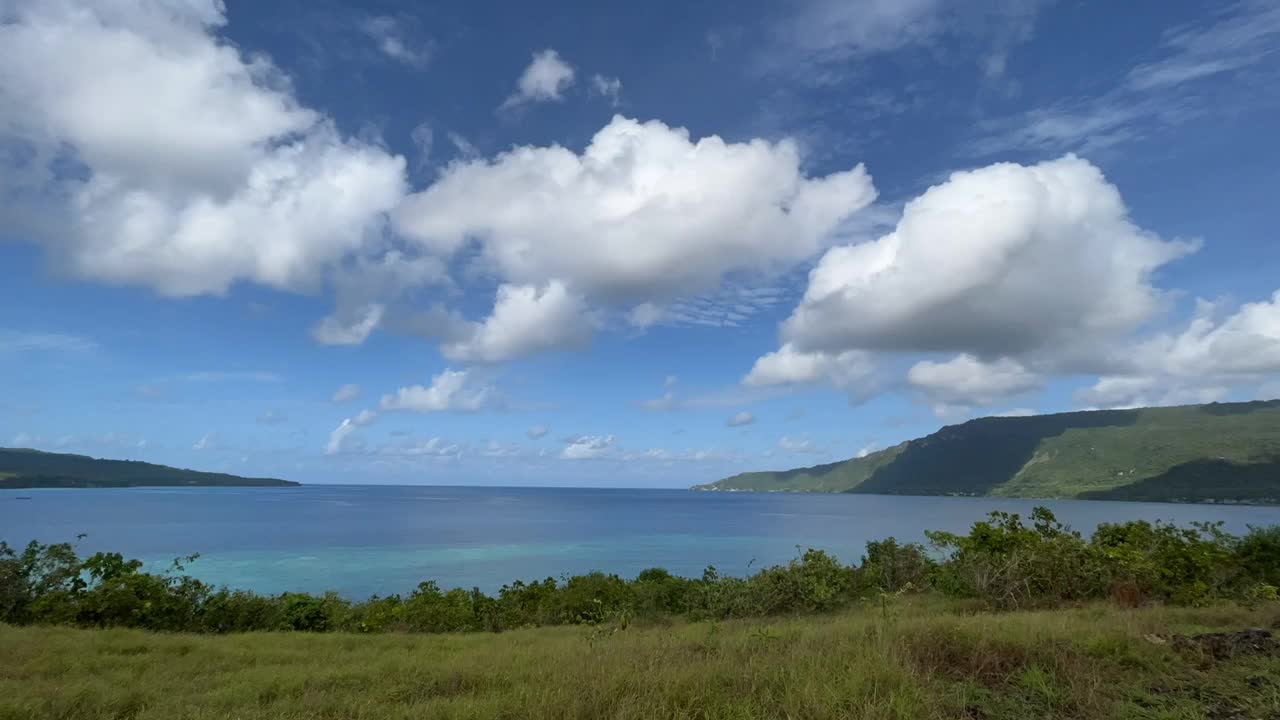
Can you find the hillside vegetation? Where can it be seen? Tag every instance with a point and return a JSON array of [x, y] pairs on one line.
[[21, 468], [1228, 452]]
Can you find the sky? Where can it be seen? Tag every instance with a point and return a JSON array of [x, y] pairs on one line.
[[622, 245]]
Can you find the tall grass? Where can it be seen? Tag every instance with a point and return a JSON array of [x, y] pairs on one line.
[[919, 659]]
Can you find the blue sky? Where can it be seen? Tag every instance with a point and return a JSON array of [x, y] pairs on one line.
[[622, 245]]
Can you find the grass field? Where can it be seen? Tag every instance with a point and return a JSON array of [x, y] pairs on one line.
[[922, 659]]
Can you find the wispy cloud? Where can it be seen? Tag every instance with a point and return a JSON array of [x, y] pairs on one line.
[[232, 376], [1156, 94], [20, 341], [1245, 34], [395, 41]]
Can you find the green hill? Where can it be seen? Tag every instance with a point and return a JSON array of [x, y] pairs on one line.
[[21, 468], [1228, 452]]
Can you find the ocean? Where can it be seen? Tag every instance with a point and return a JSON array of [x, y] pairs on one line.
[[360, 540]]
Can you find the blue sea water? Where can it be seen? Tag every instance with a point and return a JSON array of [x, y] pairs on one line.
[[361, 539]]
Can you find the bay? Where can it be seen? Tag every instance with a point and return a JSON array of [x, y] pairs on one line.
[[364, 539]]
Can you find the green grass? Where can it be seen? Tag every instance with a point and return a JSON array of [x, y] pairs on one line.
[[924, 659], [1222, 451]]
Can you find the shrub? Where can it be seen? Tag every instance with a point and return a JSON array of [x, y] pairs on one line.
[[891, 567]]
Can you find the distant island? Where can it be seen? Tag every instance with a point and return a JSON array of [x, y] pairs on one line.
[[22, 468], [1219, 452]]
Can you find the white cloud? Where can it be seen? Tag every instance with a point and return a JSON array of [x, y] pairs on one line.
[[196, 167], [1018, 412], [798, 445], [431, 447], [544, 80], [338, 438], [390, 36], [1114, 392], [742, 418], [526, 319], [346, 393], [642, 214], [450, 390], [24, 440], [207, 441], [670, 381], [1243, 35], [465, 149], [1204, 68], [341, 440], [1200, 363], [1003, 260], [668, 401], [820, 36], [966, 380], [354, 330], [19, 341], [1246, 343], [272, 417], [837, 29], [424, 139], [232, 376], [588, 447], [867, 449], [537, 431], [607, 87], [849, 369]]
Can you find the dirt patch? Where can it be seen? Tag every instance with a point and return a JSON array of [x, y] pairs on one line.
[[1227, 645]]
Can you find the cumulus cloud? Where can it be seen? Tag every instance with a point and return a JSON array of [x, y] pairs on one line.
[[537, 431], [544, 80], [1200, 363], [966, 380], [588, 447], [525, 319], [849, 369], [1246, 343], [346, 393], [740, 419], [193, 165], [206, 441], [642, 214], [450, 390], [1119, 392], [1003, 260]]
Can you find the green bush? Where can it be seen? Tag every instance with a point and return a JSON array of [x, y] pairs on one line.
[[892, 567], [1002, 561]]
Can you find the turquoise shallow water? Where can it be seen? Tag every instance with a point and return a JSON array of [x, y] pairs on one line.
[[360, 540]]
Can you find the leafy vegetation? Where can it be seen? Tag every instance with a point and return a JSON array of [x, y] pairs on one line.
[[913, 658], [904, 634], [21, 468], [1003, 563], [1220, 452]]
